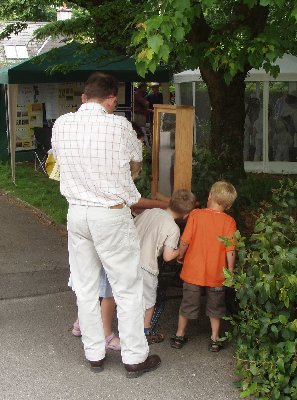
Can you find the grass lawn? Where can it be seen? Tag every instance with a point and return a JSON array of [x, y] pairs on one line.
[[36, 189]]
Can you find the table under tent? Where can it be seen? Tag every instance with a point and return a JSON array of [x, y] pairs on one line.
[[32, 98], [270, 139]]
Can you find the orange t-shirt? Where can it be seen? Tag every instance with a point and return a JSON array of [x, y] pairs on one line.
[[205, 258]]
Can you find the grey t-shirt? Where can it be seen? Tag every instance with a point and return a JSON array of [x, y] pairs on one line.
[[156, 228]]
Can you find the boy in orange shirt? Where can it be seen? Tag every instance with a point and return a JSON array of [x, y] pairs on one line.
[[205, 258]]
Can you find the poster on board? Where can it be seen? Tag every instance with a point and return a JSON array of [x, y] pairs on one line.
[[56, 98]]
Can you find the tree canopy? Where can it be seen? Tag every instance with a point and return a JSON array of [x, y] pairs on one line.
[[33, 10], [227, 35], [224, 38]]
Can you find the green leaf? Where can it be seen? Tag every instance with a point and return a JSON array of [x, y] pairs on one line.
[[164, 52], [141, 68], [283, 319], [294, 13], [280, 365], [254, 369], [291, 348], [139, 36], [155, 42], [276, 394], [181, 5], [248, 392], [179, 34], [274, 329], [293, 367]]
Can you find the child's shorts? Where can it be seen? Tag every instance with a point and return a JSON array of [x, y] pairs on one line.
[[150, 284], [191, 301], [104, 286]]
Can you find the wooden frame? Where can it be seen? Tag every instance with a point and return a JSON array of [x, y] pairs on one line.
[[182, 176]]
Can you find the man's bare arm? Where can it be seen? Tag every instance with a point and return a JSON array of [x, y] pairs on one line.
[[135, 168], [143, 202]]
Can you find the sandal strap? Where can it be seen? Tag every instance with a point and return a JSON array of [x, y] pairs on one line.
[[215, 345], [179, 339], [109, 338]]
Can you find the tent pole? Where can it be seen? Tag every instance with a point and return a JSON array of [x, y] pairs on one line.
[[12, 115]]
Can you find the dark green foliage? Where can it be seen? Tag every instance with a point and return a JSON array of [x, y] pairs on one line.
[[251, 191], [33, 10], [265, 329], [143, 181], [206, 170]]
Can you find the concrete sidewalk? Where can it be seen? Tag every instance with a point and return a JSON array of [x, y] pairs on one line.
[[41, 360]]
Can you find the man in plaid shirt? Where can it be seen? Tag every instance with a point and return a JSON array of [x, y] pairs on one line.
[[93, 148]]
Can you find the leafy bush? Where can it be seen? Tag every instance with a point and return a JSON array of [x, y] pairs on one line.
[[265, 329], [251, 191], [143, 181], [205, 172]]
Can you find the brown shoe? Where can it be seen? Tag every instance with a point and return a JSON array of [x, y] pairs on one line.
[[97, 366], [135, 370]]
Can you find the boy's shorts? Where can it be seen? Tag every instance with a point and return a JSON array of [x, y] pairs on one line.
[[150, 284], [191, 301]]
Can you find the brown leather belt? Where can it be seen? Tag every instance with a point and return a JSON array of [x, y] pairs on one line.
[[122, 205]]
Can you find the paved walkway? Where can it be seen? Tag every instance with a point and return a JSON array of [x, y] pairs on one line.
[[40, 360]]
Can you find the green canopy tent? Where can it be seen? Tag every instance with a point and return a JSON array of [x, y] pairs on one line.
[[73, 62], [77, 62]]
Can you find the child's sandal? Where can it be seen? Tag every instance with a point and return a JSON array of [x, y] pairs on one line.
[[215, 345], [177, 342], [154, 337]]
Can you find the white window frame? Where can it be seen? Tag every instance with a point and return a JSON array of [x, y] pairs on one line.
[[16, 52]]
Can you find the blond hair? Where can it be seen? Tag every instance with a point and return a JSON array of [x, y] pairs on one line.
[[223, 193], [182, 202]]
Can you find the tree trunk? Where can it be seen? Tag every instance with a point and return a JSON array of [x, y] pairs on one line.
[[227, 120]]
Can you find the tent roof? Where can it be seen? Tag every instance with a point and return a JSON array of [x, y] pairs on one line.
[[83, 62], [287, 64]]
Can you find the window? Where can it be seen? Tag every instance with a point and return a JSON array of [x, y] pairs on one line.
[[16, 52]]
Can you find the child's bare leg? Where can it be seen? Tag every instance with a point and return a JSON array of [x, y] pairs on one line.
[[215, 328], [108, 307], [148, 317], [178, 340], [182, 325], [215, 345]]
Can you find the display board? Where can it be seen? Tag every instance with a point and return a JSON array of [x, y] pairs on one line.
[[172, 149], [44, 102]]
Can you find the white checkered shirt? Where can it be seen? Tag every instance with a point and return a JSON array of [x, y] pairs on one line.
[[93, 149]]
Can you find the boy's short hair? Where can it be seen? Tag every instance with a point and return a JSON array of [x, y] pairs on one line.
[[223, 193], [101, 86], [182, 202]]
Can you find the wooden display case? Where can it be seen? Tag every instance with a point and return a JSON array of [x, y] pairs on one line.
[[172, 148]]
